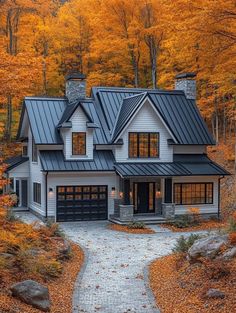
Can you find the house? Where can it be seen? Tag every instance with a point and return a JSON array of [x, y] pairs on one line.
[[121, 154]]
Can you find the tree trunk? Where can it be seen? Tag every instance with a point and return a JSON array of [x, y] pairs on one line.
[[7, 133]]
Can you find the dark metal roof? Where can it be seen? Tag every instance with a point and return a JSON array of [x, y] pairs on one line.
[[180, 114], [183, 165], [54, 161], [44, 115], [15, 161], [185, 75], [127, 109], [69, 111]]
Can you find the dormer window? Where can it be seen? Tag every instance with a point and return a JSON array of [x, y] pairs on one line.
[[79, 143], [143, 145]]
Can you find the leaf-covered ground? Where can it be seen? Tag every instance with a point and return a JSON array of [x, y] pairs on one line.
[[180, 287], [126, 229], [60, 289], [204, 225]]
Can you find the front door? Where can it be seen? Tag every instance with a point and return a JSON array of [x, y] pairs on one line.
[[144, 197]]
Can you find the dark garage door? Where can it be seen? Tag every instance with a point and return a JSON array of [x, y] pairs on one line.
[[81, 203]]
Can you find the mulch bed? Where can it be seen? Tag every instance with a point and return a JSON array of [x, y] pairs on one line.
[[126, 229], [204, 225], [179, 287], [60, 289]]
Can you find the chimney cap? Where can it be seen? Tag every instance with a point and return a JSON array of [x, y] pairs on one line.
[[185, 75], [75, 75]]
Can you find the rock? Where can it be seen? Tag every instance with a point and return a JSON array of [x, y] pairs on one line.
[[7, 256], [63, 248], [229, 254], [207, 247], [215, 294], [33, 293]]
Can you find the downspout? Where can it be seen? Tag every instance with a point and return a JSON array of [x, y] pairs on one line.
[[46, 195], [219, 211]]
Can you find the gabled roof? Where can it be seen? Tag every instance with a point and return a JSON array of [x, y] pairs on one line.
[[69, 111], [180, 114], [15, 161], [127, 109], [54, 161]]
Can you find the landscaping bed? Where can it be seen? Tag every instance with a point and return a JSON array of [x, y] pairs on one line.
[[131, 230], [202, 225], [36, 256], [200, 276]]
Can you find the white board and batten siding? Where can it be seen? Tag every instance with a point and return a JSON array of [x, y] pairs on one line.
[[82, 179], [204, 208], [146, 120], [36, 176], [79, 121]]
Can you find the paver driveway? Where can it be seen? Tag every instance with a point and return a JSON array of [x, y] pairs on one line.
[[112, 281]]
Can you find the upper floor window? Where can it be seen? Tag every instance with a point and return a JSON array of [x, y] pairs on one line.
[[79, 143], [193, 193], [143, 145], [34, 151]]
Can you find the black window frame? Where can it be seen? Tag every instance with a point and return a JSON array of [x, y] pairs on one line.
[[194, 183], [138, 143], [37, 193], [85, 143], [34, 151]]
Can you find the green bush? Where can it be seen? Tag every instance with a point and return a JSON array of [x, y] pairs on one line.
[[136, 225], [184, 243], [185, 221], [231, 225]]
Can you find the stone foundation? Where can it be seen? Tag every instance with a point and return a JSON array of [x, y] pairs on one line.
[[168, 210], [126, 213]]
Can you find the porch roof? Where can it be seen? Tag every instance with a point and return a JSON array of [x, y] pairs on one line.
[[15, 161], [184, 166]]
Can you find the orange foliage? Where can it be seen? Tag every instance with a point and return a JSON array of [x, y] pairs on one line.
[[232, 238], [126, 229]]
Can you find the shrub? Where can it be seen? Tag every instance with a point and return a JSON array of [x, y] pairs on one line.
[[136, 225], [51, 229], [182, 222], [10, 216], [216, 269], [184, 243], [232, 223]]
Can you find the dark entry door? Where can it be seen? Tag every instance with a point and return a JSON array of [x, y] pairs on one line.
[[24, 193], [144, 197]]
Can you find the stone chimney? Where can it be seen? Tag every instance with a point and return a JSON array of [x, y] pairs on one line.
[[187, 83], [75, 86]]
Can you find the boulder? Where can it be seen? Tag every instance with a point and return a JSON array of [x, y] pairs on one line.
[[33, 293], [207, 247], [229, 254], [63, 247], [215, 294]]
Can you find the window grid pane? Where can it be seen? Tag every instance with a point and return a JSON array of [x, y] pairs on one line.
[[79, 143], [143, 145], [193, 193]]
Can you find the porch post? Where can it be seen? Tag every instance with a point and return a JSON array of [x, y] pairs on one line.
[[168, 190], [168, 207], [126, 192]]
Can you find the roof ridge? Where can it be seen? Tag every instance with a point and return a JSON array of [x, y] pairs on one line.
[[137, 95], [138, 90], [45, 98]]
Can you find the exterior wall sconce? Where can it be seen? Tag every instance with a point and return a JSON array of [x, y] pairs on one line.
[[113, 191], [158, 194], [50, 190], [121, 194]]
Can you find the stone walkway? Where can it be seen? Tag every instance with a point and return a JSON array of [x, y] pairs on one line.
[[113, 277]]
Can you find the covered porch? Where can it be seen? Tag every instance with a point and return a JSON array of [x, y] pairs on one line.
[[148, 191]]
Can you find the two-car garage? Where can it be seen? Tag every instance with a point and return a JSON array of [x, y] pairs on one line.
[[82, 203]]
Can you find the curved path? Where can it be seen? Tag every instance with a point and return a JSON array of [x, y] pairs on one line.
[[113, 278]]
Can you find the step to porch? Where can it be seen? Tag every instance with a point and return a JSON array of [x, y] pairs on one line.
[[148, 220]]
